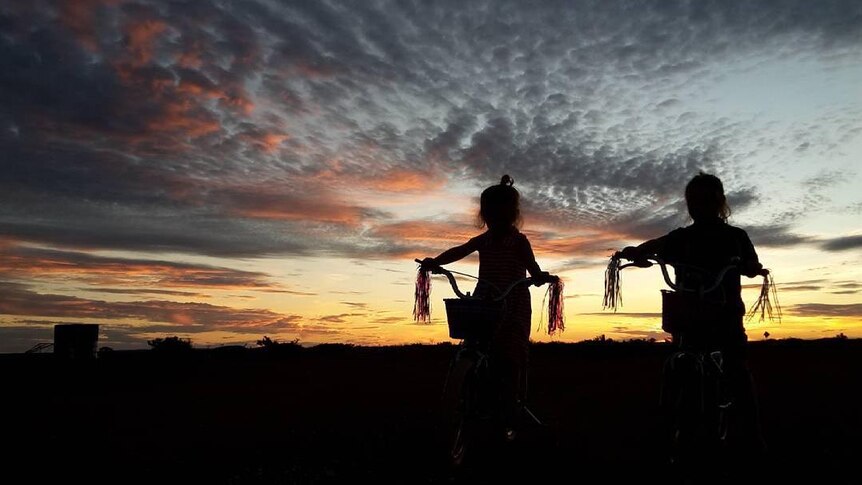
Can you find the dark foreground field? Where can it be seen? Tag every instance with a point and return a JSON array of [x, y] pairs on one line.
[[366, 415]]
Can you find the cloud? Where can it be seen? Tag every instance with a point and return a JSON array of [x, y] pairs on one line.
[[390, 320], [827, 310], [280, 204], [355, 304], [776, 235], [650, 315], [424, 231], [642, 334], [845, 243], [29, 262], [217, 127], [787, 287], [19, 300], [338, 318], [145, 291]]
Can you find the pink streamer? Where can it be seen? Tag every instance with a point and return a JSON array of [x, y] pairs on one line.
[[556, 318], [422, 303]]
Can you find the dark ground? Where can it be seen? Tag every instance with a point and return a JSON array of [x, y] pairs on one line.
[[335, 414]]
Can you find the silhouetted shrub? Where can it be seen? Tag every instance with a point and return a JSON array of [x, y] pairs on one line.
[[171, 344], [333, 348], [276, 347], [600, 339]]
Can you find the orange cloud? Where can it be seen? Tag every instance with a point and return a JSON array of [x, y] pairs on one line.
[[233, 97], [339, 171], [316, 205], [267, 142], [18, 300], [433, 233], [239, 101], [182, 107], [594, 244], [140, 37], [191, 58], [177, 117], [79, 16], [443, 234], [44, 263], [404, 180]]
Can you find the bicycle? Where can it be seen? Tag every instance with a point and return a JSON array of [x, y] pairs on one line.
[[696, 389], [471, 396]]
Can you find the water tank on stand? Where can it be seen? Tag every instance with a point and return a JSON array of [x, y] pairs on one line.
[[76, 341]]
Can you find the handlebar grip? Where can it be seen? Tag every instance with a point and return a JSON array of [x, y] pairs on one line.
[[421, 262], [435, 269], [546, 278]]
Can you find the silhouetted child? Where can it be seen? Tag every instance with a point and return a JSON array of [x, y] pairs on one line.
[[505, 256], [711, 243]]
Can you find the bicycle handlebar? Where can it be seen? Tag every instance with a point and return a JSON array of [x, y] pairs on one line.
[[648, 261], [437, 269]]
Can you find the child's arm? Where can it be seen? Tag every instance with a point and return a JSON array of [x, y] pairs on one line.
[[455, 254], [750, 265], [530, 262], [655, 246]]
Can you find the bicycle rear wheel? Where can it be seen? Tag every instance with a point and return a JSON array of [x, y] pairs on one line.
[[682, 404], [692, 400]]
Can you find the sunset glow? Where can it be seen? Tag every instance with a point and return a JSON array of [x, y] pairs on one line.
[[228, 170]]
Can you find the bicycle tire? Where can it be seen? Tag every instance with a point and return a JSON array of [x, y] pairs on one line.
[[458, 405], [692, 395], [682, 388]]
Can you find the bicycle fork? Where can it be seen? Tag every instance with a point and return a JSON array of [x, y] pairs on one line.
[[723, 400]]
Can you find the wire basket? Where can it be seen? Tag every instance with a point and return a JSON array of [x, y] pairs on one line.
[[472, 318]]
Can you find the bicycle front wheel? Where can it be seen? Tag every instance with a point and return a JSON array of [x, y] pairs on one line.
[[458, 408]]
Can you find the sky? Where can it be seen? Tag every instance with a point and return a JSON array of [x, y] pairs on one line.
[[227, 170]]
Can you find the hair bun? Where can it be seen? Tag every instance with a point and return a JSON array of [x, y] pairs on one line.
[[507, 180]]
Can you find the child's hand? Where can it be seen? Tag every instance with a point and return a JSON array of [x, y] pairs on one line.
[[751, 269], [428, 263], [631, 253], [542, 278]]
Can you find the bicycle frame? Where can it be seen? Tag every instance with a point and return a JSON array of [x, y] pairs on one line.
[[694, 388], [686, 308], [450, 275], [466, 398]]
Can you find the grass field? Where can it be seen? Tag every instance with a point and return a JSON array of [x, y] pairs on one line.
[[340, 414]]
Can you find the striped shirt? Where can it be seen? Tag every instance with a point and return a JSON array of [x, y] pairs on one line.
[[504, 258]]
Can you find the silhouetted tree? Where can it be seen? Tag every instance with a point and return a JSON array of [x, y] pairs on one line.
[[269, 343], [170, 344], [266, 342], [275, 346]]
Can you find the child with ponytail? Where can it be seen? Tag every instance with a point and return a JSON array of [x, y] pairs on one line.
[[505, 256]]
